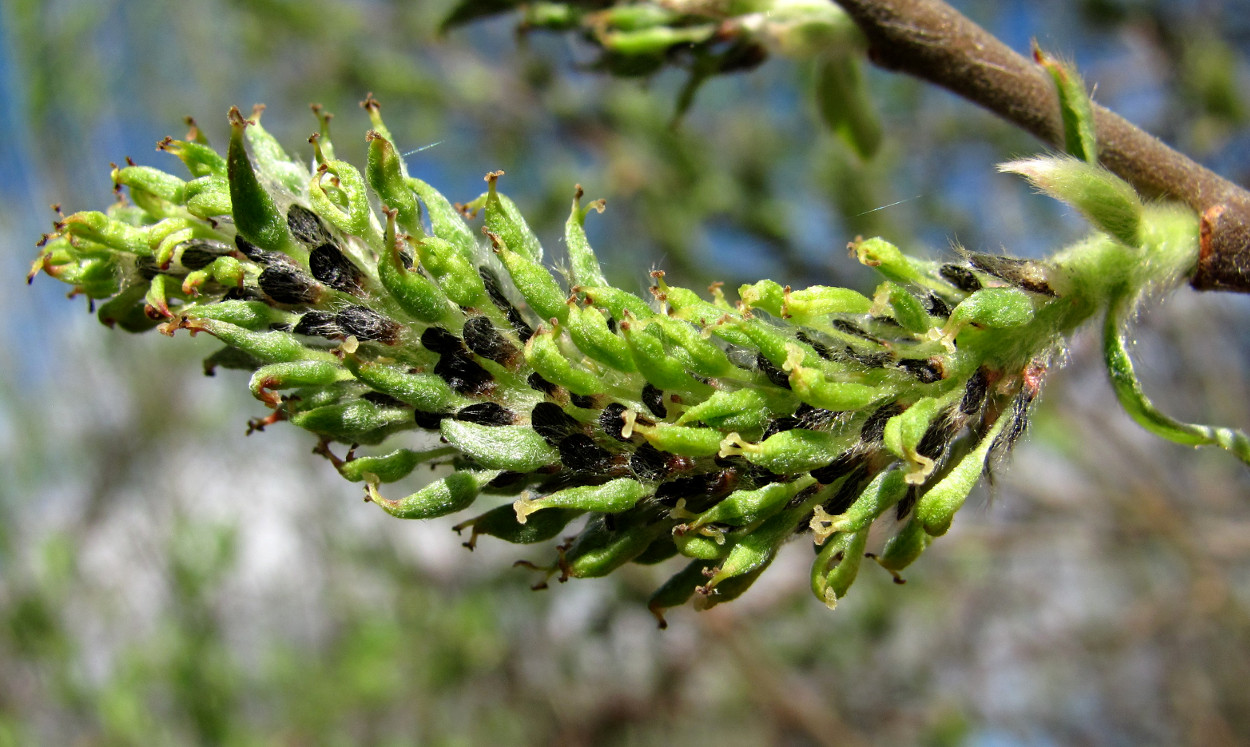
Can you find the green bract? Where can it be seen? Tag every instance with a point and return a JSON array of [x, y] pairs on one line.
[[370, 312]]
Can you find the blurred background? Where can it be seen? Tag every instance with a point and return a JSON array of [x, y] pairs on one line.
[[166, 580]]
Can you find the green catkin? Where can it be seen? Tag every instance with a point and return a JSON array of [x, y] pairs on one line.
[[680, 425]]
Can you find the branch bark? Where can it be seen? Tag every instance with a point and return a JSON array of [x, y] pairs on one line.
[[930, 40]]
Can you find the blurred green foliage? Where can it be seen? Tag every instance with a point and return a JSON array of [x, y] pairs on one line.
[[164, 581]]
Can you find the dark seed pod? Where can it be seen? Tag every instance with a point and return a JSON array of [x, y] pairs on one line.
[[814, 418], [1015, 428], [497, 297], [365, 324], [147, 268], [551, 422], [871, 360], [801, 497], [653, 398], [580, 453], [961, 277], [286, 284], [318, 324], [463, 374], [974, 392], [539, 384], [243, 293], [482, 338], [927, 370], [778, 425], [844, 464], [439, 340], [1022, 273], [696, 487], [329, 265], [821, 349], [873, 429], [486, 413], [939, 435], [507, 479], [908, 502], [935, 306], [306, 226], [847, 492], [774, 374], [584, 401], [612, 423], [200, 253], [649, 463], [430, 420], [383, 400], [851, 328], [260, 256]]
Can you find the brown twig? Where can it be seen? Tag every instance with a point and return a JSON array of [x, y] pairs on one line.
[[930, 40]]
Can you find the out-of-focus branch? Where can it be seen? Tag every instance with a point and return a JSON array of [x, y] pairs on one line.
[[930, 40]]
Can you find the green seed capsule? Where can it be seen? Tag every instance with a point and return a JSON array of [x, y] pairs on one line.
[[543, 353], [384, 170], [837, 565], [590, 333], [903, 433], [792, 451], [902, 549], [505, 220], [700, 355], [937, 507], [357, 219], [583, 264], [885, 490], [457, 277], [766, 294], [743, 409], [157, 296], [154, 182], [445, 220], [743, 507], [512, 447], [701, 547], [126, 310], [816, 303], [757, 549], [266, 347], [886, 259], [276, 376], [536, 285], [678, 589], [610, 498], [425, 392], [416, 294], [200, 159], [271, 158], [904, 307], [390, 467], [103, 229], [453, 493], [256, 217], [682, 440], [357, 421], [657, 366], [208, 197], [598, 551], [250, 315], [999, 308], [616, 302], [501, 522], [812, 386]]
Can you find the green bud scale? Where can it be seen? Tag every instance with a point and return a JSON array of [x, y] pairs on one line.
[[369, 313]]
